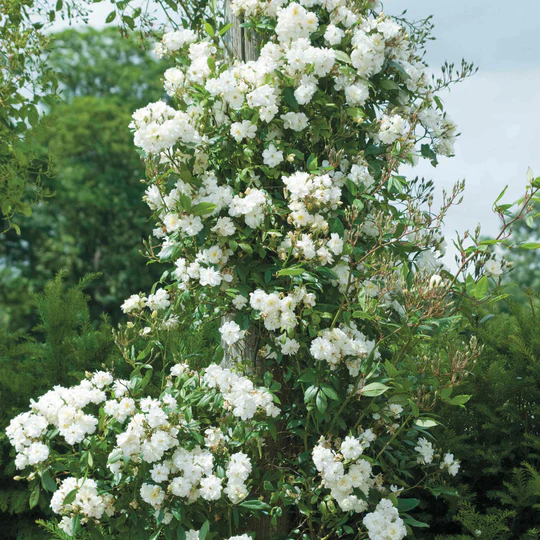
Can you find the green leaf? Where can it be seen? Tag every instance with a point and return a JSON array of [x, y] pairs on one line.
[[129, 21], [426, 422], [481, 288], [145, 352], [185, 202], [387, 84], [427, 152], [33, 115], [445, 393], [312, 163], [209, 29], [501, 195], [330, 392], [415, 523], [288, 95], [390, 369], [374, 389], [405, 505], [321, 402], [115, 456], [308, 377], [351, 186], [255, 504], [204, 530], [48, 482], [343, 57], [203, 208], [34, 497], [460, 400], [246, 248], [355, 112], [110, 17], [530, 245], [225, 29], [292, 271], [70, 497], [442, 490], [310, 393]]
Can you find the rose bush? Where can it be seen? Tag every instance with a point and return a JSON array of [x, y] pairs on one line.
[[281, 211]]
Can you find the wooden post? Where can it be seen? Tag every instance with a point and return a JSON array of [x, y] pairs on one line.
[[243, 46]]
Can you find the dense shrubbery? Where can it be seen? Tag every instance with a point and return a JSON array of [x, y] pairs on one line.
[[65, 343], [498, 434]]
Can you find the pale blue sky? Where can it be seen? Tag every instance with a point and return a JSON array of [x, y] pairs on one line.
[[496, 111]]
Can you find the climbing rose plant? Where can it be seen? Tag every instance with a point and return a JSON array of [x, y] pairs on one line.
[[280, 211]]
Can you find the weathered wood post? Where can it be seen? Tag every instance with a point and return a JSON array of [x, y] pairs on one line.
[[243, 46]]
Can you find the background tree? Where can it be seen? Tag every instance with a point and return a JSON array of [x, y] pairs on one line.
[[28, 81], [526, 263], [95, 222]]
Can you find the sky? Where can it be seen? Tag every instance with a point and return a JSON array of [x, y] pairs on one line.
[[496, 110]]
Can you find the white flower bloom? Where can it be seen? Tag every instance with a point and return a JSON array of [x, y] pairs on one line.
[[209, 276], [243, 130], [291, 346], [231, 333], [333, 35], [171, 222], [294, 121], [493, 268], [191, 225], [153, 495], [159, 300], [356, 94], [392, 128], [351, 448], [385, 523], [224, 227], [239, 301], [172, 41], [426, 451], [211, 488], [36, 453], [272, 156], [179, 369], [451, 464], [135, 302], [174, 80]]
